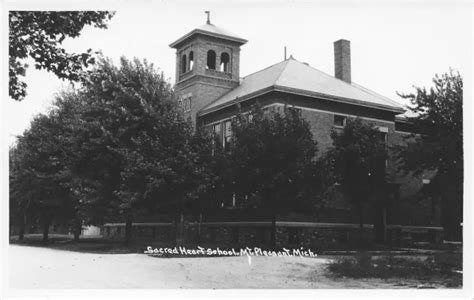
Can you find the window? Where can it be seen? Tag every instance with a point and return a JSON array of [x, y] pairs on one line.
[[189, 103], [186, 104], [211, 60], [216, 129], [225, 62], [191, 60], [384, 138], [339, 120], [183, 64], [227, 133]]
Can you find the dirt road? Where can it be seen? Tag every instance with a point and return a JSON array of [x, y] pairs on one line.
[[35, 267]]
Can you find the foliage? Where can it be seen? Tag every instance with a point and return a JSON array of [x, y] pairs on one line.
[[439, 125], [356, 162], [130, 126], [438, 144], [118, 143], [358, 157], [39, 34], [37, 182], [271, 157]]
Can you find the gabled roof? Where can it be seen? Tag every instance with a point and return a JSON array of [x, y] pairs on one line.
[[295, 77], [210, 30]]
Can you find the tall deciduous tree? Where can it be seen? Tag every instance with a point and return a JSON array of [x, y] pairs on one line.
[[272, 161], [37, 182], [116, 144], [130, 147], [438, 144], [39, 34], [358, 162]]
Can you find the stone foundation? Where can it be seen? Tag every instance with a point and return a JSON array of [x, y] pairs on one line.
[[288, 234]]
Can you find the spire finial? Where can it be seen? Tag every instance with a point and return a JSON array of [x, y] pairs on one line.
[[208, 17]]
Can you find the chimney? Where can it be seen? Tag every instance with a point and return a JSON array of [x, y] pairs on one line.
[[342, 60]]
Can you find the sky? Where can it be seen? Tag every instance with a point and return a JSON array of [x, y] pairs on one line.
[[394, 45]]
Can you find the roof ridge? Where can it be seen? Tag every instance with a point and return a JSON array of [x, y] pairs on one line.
[[282, 71], [322, 84], [251, 74], [353, 84]]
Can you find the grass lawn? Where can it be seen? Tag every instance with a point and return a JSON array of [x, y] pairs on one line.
[[439, 268]]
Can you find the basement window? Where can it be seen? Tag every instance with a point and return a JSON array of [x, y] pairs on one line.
[[339, 120]]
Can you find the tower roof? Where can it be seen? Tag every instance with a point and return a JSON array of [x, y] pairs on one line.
[[294, 77], [210, 30]]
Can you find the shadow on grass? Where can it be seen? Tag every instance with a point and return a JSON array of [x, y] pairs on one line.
[[440, 268]]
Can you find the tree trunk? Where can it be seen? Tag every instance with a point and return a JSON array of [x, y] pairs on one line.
[[47, 223], [77, 228], [21, 233], [199, 228], [451, 212], [361, 224], [179, 230], [274, 230], [128, 226]]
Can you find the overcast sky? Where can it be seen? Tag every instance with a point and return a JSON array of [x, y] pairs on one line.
[[394, 46]]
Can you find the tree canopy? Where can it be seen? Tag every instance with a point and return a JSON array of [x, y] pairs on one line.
[[120, 142], [357, 161], [272, 157], [438, 144], [39, 35], [38, 187]]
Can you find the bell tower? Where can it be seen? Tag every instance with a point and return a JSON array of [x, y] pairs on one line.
[[207, 66]]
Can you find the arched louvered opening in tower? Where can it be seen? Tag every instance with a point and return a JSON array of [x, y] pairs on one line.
[[211, 60], [225, 62], [191, 60], [183, 64]]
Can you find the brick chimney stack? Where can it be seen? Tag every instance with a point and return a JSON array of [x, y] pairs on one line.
[[342, 60]]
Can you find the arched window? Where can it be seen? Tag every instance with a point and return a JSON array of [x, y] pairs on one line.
[[211, 60], [183, 64], [191, 60], [225, 62]]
